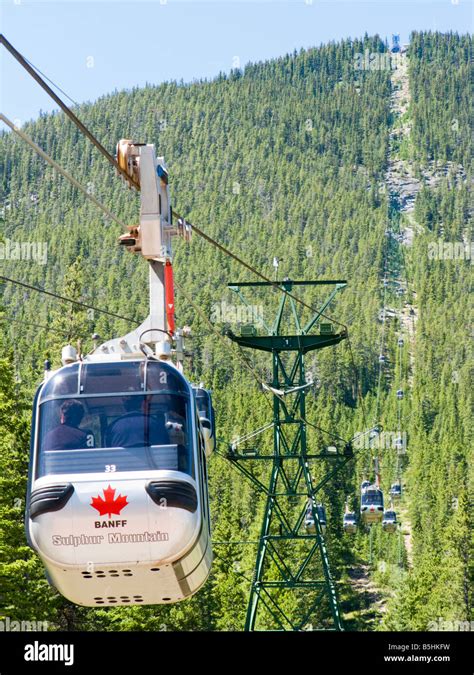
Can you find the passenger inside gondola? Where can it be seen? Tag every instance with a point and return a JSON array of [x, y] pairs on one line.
[[67, 435], [136, 428], [131, 417]]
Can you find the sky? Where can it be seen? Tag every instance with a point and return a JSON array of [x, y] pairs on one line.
[[90, 48]]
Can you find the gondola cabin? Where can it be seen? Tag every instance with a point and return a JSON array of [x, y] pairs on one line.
[[117, 501], [396, 491], [371, 505], [349, 523], [389, 521], [395, 44], [310, 523]]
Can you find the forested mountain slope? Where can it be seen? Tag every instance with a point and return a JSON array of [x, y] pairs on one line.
[[286, 158], [438, 590]]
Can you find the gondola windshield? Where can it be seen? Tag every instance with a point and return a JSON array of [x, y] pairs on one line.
[[372, 498], [108, 417]]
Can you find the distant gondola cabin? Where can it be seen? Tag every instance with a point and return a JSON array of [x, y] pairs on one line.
[[371, 505]]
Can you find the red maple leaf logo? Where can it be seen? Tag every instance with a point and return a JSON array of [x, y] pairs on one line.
[[109, 505]]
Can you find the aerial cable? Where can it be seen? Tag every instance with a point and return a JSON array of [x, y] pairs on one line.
[[401, 386], [64, 299], [53, 83], [8, 318], [382, 337], [401, 380], [281, 393], [232, 543], [325, 431], [50, 161], [381, 350], [23, 62], [130, 180], [244, 361], [62, 171], [202, 314], [252, 434], [252, 269], [358, 387], [197, 309], [399, 402]]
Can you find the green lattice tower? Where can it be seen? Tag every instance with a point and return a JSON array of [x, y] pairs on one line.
[[292, 585]]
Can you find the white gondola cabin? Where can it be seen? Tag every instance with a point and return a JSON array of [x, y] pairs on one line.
[[349, 523], [389, 521], [310, 523], [117, 503], [371, 505], [396, 491], [117, 500]]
